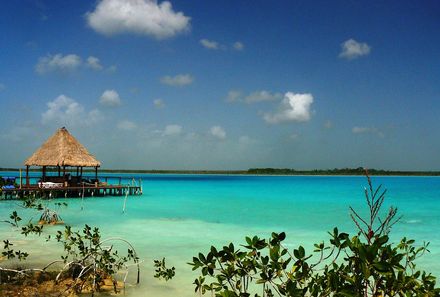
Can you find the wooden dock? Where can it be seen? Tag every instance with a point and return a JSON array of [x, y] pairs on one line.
[[72, 191]]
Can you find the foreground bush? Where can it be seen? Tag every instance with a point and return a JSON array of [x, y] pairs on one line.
[[88, 262], [366, 264]]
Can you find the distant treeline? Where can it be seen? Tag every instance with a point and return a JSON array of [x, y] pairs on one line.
[[338, 171], [260, 171]]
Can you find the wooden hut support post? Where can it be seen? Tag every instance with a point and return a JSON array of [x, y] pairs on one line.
[[96, 176], [27, 176], [44, 174]]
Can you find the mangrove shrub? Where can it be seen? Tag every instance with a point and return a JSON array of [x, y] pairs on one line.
[[365, 264]]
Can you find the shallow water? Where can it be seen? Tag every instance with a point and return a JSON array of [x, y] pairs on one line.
[[180, 215]]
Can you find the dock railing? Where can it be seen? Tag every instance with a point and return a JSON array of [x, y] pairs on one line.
[[112, 186]]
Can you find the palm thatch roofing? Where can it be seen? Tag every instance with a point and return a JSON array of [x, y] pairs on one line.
[[62, 149]]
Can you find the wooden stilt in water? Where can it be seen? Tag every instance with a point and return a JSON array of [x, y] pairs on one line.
[[125, 200]]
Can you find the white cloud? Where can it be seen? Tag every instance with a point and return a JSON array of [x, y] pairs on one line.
[[245, 140], [214, 45], [126, 125], [112, 69], [110, 98], [61, 108], [178, 80], [58, 63], [209, 44], [144, 17], [67, 111], [260, 96], [135, 90], [159, 103], [233, 96], [68, 63], [93, 62], [328, 124], [239, 46], [218, 132], [351, 49], [367, 130], [171, 130], [94, 116], [192, 136], [294, 136], [293, 108], [254, 97], [359, 130]]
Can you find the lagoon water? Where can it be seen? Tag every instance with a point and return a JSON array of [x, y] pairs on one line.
[[180, 215]]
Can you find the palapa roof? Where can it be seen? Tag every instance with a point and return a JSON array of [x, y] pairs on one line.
[[62, 149]]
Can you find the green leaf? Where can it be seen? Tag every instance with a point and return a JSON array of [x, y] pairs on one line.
[[382, 266]]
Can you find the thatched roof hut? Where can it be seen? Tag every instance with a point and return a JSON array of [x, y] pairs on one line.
[[61, 150]]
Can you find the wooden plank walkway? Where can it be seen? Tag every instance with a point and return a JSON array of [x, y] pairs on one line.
[[72, 191]]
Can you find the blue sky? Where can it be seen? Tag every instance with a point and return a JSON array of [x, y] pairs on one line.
[[224, 84]]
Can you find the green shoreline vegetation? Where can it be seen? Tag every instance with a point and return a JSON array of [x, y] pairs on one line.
[[263, 171]]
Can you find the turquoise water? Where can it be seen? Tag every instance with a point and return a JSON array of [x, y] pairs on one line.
[[179, 215]]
